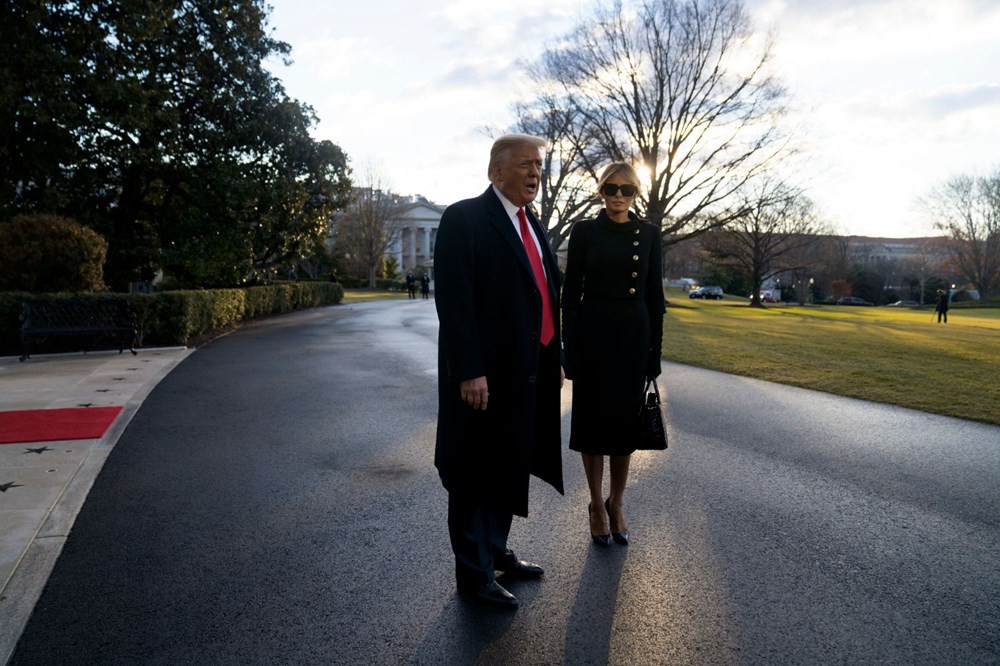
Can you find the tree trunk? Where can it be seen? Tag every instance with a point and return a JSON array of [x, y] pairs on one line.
[[755, 301]]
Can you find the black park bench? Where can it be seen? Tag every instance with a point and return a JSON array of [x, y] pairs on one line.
[[97, 319]]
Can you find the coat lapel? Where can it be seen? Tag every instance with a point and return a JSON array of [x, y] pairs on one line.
[[504, 226]]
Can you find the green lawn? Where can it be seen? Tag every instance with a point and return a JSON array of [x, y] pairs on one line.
[[362, 295], [892, 355]]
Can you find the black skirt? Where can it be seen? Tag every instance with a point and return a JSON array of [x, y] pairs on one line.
[[609, 377]]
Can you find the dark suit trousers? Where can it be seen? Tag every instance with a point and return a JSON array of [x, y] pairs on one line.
[[479, 533], [479, 539]]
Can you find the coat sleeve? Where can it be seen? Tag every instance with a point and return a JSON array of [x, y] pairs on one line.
[[654, 303], [454, 277], [572, 292]]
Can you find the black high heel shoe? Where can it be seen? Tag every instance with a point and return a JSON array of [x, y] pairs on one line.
[[599, 539], [620, 537]]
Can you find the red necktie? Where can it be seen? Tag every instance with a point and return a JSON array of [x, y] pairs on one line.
[[548, 327]]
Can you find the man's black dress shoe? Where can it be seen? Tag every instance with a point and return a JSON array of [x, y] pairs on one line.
[[521, 569], [490, 594]]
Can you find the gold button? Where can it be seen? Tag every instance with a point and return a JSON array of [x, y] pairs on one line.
[[634, 275], [635, 257], [631, 290], [635, 243]]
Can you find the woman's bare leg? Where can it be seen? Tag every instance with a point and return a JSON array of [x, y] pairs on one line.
[[619, 477], [593, 467]]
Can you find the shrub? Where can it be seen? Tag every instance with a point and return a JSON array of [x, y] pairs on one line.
[[392, 285], [352, 282], [840, 288], [48, 253], [178, 317], [385, 284]]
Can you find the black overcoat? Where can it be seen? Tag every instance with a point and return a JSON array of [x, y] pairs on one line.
[[489, 308], [612, 329]]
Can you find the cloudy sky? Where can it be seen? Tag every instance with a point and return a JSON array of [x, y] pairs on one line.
[[890, 97]]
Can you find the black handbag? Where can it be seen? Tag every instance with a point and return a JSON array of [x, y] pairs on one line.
[[652, 433]]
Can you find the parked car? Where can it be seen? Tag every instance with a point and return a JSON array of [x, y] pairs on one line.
[[903, 304], [853, 300], [714, 293]]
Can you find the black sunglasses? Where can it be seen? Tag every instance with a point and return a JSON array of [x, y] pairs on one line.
[[610, 189]]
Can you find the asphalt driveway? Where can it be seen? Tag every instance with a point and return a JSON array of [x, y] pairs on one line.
[[274, 500]]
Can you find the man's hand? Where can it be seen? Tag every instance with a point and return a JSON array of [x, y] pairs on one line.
[[475, 393]]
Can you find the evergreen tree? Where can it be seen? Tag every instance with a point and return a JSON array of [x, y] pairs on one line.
[[167, 135]]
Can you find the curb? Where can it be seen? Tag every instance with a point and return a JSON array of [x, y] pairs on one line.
[[24, 587]]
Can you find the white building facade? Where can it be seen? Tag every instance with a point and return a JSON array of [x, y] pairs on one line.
[[417, 225]]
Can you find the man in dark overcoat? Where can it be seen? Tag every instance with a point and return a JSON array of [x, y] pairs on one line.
[[499, 367], [411, 284]]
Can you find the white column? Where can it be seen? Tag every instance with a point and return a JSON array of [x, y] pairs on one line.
[[413, 247], [427, 245]]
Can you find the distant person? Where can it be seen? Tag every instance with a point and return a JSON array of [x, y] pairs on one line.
[[941, 306], [333, 275], [411, 284], [291, 274], [499, 370], [612, 330], [425, 285]]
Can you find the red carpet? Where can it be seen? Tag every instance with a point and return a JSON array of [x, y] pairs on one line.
[[46, 425]]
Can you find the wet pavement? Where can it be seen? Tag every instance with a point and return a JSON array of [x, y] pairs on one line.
[[274, 500], [45, 483]]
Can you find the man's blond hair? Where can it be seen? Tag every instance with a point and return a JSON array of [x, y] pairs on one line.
[[500, 147]]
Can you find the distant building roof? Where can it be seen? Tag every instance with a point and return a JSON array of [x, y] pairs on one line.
[[407, 209]]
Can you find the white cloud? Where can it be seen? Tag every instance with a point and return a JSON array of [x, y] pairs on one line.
[[516, 26], [964, 98], [332, 58], [467, 75], [893, 96]]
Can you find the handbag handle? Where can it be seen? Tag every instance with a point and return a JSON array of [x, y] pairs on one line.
[[646, 393]]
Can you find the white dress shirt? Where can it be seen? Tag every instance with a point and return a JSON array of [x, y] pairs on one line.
[[512, 214]]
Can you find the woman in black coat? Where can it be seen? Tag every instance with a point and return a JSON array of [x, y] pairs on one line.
[[612, 330]]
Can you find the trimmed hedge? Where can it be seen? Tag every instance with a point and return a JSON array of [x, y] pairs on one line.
[[176, 317], [380, 283], [993, 302]]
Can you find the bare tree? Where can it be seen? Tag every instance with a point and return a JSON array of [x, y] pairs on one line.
[[569, 170], [968, 209], [774, 237], [832, 264], [366, 229], [930, 261], [674, 86]]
